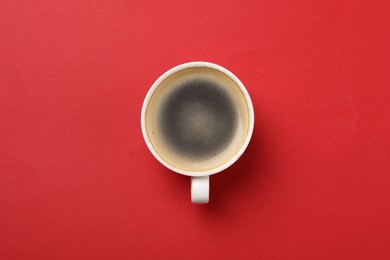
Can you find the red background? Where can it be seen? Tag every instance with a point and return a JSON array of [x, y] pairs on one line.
[[78, 182]]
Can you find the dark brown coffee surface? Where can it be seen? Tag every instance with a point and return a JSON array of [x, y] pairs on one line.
[[198, 119]]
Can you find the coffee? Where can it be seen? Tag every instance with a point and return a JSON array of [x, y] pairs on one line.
[[197, 119]]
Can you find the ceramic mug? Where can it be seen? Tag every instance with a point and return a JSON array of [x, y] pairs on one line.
[[197, 119]]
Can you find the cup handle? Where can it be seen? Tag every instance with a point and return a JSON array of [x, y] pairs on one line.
[[200, 187]]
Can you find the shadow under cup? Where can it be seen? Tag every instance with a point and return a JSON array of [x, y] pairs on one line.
[[197, 120]]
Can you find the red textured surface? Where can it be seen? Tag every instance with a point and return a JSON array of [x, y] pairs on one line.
[[78, 182]]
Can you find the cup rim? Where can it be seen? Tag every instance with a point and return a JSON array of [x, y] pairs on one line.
[[156, 84]]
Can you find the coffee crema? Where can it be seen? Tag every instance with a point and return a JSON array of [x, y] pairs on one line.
[[197, 119]]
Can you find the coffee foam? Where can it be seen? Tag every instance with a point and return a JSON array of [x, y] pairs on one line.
[[198, 128]]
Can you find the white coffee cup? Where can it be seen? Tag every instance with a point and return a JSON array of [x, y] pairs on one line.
[[172, 158]]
